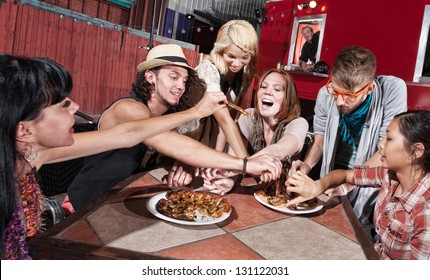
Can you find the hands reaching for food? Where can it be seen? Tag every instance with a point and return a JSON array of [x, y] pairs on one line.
[[219, 186], [178, 176], [304, 186], [258, 165], [211, 103], [299, 165]]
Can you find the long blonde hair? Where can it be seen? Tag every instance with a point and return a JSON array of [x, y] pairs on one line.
[[242, 34]]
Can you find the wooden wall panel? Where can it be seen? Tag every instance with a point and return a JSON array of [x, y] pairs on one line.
[[101, 61]]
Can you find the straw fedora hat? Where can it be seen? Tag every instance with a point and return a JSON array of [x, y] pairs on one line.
[[167, 54]]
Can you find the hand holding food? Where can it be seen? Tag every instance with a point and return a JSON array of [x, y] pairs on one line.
[[303, 186], [276, 194]]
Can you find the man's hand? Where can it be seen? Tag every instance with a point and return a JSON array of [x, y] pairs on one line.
[[178, 176], [307, 67], [211, 103]]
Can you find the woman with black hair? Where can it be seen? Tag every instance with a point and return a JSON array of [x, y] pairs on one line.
[[37, 121], [402, 211]]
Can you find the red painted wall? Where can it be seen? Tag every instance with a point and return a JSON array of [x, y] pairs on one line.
[[391, 29], [101, 61]]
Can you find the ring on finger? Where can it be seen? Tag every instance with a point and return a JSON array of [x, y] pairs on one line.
[[173, 171], [275, 160]]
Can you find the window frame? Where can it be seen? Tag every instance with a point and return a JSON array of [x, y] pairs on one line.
[[422, 46], [321, 19]]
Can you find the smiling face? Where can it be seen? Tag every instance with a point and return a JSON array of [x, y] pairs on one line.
[[271, 94], [308, 33], [169, 83], [235, 58]]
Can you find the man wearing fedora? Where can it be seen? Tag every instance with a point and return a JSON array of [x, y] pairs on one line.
[[162, 86]]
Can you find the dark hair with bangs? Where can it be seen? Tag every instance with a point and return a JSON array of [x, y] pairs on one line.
[[290, 107], [27, 86]]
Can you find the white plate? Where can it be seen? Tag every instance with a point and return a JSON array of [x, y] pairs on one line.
[[151, 204], [318, 207]]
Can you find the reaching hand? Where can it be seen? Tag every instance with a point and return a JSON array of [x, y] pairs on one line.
[[178, 176], [208, 173], [299, 165], [264, 163], [308, 67], [304, 186], [219, 186], [210, 103]]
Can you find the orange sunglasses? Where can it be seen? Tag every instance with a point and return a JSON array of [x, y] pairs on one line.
[[347, 96]]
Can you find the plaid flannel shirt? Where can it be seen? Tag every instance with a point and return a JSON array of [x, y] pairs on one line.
[[402, 222]]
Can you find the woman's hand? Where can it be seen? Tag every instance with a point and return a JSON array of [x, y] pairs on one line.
[[178, 176], [214, 173], [264, 163], [304, 186], [219, 186]]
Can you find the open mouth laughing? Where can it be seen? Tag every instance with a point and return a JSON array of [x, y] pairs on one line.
[[266, 102]]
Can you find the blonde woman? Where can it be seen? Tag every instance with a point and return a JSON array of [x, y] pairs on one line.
[[230, 68]]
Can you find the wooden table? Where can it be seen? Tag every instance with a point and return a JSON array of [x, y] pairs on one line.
[[119, 226]]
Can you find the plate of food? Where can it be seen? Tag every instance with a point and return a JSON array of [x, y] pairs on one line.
[[189, 207], [276, 197]]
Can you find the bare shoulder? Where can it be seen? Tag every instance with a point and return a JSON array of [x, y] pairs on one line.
[[206, 57], [123, 111]]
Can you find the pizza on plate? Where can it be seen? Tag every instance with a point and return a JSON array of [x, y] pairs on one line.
[[190, 205], [276, 194]]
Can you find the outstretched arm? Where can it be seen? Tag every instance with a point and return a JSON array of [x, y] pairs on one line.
[[231, 132], [191, 152], [307, 188], [130, 133]]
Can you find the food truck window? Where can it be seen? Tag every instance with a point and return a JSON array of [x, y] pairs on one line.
[[317, 22], [422, 66]]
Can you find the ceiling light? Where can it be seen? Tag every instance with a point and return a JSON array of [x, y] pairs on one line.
[[311, 4]]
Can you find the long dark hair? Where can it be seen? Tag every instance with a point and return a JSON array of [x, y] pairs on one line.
[[27, 86], [415, 127], [144, 89]]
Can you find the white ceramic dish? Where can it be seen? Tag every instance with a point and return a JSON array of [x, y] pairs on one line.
[[318, 207], [151, 205]]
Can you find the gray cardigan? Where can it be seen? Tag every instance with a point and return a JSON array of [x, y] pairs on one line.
[[389, 99]]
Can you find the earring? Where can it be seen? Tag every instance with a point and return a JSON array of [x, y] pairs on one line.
[[30, 154]]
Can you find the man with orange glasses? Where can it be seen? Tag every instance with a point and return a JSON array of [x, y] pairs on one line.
[[352, 112]]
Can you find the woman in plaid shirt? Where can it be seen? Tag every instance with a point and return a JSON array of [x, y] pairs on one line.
[[402, 211]]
